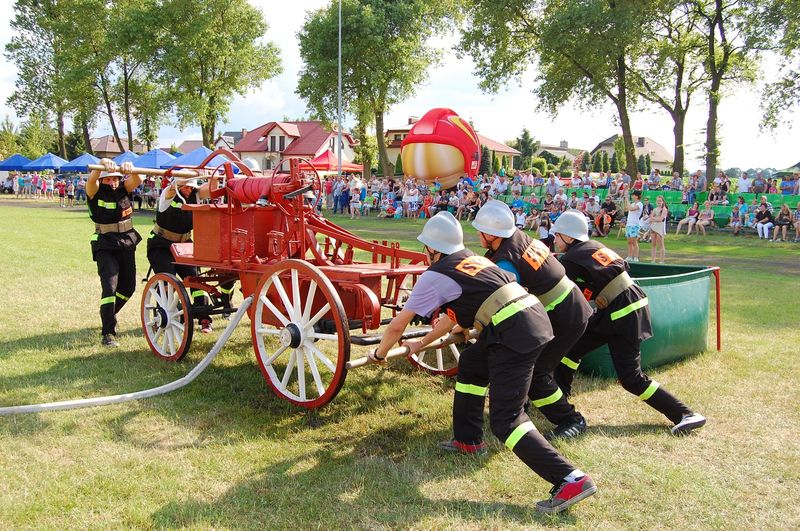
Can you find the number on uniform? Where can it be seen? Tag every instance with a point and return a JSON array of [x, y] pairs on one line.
[[472, 265], [605, 256]]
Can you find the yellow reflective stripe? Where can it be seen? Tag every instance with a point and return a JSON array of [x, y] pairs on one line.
[[559, 300], [197, 293], [93, 238], [571, 364], [649, 391], [108, 300], [176, 204], [632, 307], [546, 401], [513, 308], [470, 389], [121, 296], [106, 204], [151, 235], [518, 433], [226, 291]]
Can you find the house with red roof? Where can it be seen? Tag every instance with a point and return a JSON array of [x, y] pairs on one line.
[[107, 146], [273, 141], [395, 135]]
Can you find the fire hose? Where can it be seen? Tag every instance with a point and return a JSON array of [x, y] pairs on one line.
[[138, 395]]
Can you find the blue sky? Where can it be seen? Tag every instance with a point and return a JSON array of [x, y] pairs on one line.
[[501, 116]]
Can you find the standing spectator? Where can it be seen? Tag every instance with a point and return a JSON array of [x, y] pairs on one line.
[[782, 222], [658, 230], [677, 182], [344, 197], [552, 185], [355, 200], [744, 183], [588, 184], [787, 185], [328, 187], [50, 182], [337, 194], [764, 221], [644, 222], [35, 186], [796, 183], [626, 179], [759, 185], [62, 193], [735, 221], [634, 209], [702, 183]]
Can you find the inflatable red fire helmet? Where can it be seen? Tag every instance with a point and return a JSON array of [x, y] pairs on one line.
[[441, 145]]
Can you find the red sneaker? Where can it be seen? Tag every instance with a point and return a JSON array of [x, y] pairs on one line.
[[566, 494], [205, 326], [463, 448]]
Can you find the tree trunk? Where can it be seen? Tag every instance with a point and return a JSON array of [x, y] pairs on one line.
[[147, 137], [107, 101], [679, 119], [712, 149], [624, 119], [126, 96], [383, 156], [87, 140], [62, 146]]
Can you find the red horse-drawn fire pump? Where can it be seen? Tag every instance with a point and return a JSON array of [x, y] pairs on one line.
[[313, 283]]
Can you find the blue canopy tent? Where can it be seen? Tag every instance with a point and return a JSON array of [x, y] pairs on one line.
[[155, 158], [48, 161], [195, 157], [128, 156], [14, 163], [79, 165]]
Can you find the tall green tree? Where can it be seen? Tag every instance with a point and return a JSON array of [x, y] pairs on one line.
[[9, 138], [641, 165], [597, 162], [614, 164], [37, 136], [34, 48], [385, 56], [527, 145], [606, 165], [648, 164], [209, 51], [486, 157], [781, 21], [582, 49]]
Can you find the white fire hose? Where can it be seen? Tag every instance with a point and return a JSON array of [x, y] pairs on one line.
[[147, 393]]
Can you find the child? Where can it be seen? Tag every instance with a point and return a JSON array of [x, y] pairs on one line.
[[532, 221], [520, 218], [398, 211]]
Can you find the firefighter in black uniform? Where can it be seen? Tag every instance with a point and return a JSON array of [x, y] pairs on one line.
[[174, 225], [474, 292], [114, 240], [622, 319], [537, 270]]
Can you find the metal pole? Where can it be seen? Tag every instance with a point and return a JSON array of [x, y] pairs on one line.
[[339, 96]]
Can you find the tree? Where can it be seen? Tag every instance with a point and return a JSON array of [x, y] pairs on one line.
[[37, 136], [495, 163], [729, 52], [385, 56], [527, 145], [564, 163], [582, 49], [486, 156], [209, 51], [75, 144], [648, 164], [605, 161], [585, 162], [34, 49], [398, 165], [733, 173], [540, 164], [597, 162], [619, 149], [614, 166], [9, 143], [781, 19], [549, 157], [641, 165]]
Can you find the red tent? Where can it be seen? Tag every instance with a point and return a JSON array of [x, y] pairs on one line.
[[328, 162]]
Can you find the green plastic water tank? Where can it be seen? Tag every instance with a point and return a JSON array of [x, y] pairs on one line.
[[679, 305]]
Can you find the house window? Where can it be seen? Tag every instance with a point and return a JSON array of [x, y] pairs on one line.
[[268, 164], [332, 144], [281, 143], [272, 143], [262, 139], [398, 137]]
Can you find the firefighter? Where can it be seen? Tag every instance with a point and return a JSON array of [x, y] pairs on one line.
[[114, 240], [174, 225], [622, 319], [537, 270], [474, 292]]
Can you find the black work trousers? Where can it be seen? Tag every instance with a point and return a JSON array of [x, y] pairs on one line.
[[544, 392], [506, 376], [117, 271], [627, 360]]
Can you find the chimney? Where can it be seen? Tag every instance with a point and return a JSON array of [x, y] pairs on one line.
[[640, 142], [563, 144], [244, 133], [413, 119]]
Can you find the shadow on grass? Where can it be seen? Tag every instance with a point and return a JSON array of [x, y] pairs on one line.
[[363, 482]]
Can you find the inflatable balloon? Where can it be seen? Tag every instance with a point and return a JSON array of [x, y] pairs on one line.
[[441, 145]]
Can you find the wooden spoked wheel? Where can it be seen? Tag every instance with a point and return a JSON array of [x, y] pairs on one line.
[[166, 311], [440, 361], [301, 361]]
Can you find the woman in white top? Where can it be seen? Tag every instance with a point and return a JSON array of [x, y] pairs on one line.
[[706, 218], [658, 229]]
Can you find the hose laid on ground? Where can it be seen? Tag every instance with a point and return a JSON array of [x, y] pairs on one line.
[[147, 393]]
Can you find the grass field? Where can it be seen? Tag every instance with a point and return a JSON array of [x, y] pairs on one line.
[[226, 453]]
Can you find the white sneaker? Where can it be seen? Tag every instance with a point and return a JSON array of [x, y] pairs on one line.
[[689, 423]]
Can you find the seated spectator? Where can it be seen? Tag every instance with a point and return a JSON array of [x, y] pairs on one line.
[[544, 231], [717, 196], [573, 201], [532, 221], [592, 207], [548, 203], [384, 209], [763, 222], [797, 224], [538, 179], [533, 200], [462, 205], [706, 218], [519, 218], [691, 219], [516, 186], [517, 202], [576, 181], [654, 180], [782, 223], [638, 183], [427, 204], [602, 223], [561, 196], [767, 203], [610, 208], [735, 221]]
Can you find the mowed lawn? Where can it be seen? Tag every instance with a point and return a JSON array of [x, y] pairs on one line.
[[224, 452]]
